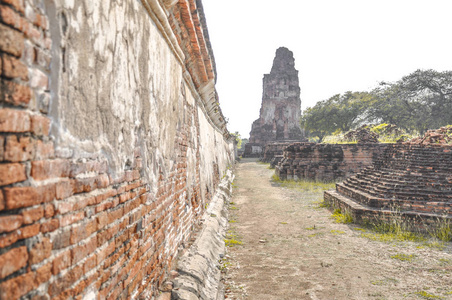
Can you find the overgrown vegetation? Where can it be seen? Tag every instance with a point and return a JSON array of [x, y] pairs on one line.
[[386, 133], [415, 103]]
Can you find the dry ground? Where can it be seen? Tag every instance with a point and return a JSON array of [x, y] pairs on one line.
[[292, 249]]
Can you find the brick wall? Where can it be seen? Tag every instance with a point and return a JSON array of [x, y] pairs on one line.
[[326, 161], [105, 223]]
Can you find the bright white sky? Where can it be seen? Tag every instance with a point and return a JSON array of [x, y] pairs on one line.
[[338, 45]]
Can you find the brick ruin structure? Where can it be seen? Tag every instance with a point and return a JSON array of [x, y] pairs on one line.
[[411, 181], [112, 144], [273, 153], [326, 162], [279, 116]]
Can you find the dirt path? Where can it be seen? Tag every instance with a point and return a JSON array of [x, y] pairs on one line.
[[293, 249]]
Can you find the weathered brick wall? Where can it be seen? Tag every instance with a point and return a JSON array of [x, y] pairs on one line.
[[274, 152], [326, 161], [413, 182], [110, 148]]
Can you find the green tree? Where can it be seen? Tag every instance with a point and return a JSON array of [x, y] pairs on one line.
[[238, 139], [419, 101], [338, 113]]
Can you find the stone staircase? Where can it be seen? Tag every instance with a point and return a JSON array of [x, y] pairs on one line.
[[413, 180]]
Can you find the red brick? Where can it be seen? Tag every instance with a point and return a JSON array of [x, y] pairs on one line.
[[13, 68], [106, 235], [17, 197], [19, 149], [12, 261], [13, 120], [44, 150], [90, 264], [71, 218], [2, 201], [47, 192], [28, 231], [40, 125], [106, 195], [61, 239], [2, 147], [10, 17], [40, 251], [17, 4], [15, 93], [45, 169], [32, 215], [8, 239], [61, 283], [11, 41], [107, 204], [49, 210], [41, 21], [83, 231], [61, 262], [64, 189], [83, 250], [10, 223], [12, 173], [43, 274], [105, 252], [17, 286], [49, 226], [84, 185]]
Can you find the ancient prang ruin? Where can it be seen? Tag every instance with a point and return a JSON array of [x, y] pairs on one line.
[[279, 117]]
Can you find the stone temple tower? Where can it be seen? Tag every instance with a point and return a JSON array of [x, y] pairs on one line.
[[280, 111]]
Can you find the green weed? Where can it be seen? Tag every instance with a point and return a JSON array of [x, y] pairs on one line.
[[443, 232], [337, 232], [426, 295], [403, 257], [340, 217], [304, 184]]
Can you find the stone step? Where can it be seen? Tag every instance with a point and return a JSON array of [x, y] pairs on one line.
[[438, 207], [400, 190]]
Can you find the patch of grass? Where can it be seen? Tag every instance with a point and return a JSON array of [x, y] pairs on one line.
[[284, 223], [233, 208], [232, 242], [445, 261], [340, 217], [232, 239], [315, 234], [232, 221], [359, 229], [337, 232], [323, 204], [435, 245], [311, 228], [403, 257], [304, 184], [393, 231], [443, 232], [426, 295]]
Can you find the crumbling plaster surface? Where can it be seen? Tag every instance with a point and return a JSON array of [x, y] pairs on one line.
[[118, 84]]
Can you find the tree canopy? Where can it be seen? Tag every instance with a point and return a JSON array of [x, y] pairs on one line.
[[417, 102]]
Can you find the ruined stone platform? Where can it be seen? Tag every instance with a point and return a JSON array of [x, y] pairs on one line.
[[412, 181]]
